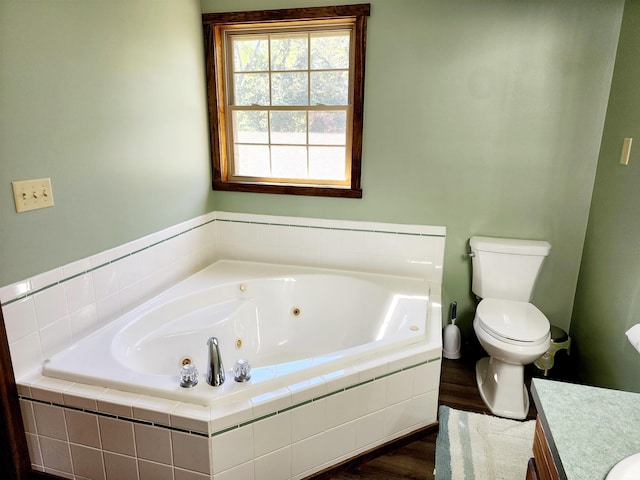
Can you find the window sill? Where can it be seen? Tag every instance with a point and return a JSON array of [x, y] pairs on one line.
[[313, 191]]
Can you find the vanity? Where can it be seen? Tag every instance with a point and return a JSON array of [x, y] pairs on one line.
[[582, 432]]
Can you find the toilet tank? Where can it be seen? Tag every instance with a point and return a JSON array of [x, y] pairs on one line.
[[506, 268]]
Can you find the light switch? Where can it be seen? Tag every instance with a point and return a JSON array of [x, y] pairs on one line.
[[32, 194], [626, 150]]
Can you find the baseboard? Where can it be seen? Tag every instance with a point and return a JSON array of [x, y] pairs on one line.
[[378, 451]]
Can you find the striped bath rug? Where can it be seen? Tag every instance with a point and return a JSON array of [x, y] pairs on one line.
[[472, 446]]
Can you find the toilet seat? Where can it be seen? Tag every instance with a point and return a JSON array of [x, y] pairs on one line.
[[517, 323]]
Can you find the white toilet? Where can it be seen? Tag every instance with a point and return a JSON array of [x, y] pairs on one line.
[[510, 329]]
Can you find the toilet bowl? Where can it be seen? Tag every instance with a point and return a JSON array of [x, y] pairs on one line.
[[514, 334]]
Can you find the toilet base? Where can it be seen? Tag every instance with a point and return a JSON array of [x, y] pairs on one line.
[[501, 386]]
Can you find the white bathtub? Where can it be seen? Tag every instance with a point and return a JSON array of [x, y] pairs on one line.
[[290, 323]]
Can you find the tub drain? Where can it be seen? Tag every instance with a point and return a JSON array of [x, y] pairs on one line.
[[296, 312]]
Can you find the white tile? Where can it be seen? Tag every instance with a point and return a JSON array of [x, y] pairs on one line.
[[231, 449], [190, 452], [130, 297], [372, 369], [230, 414], [269, 402], [426, 378], [127, 270], [83, 321], [154, 471], [50, 421], [26, 354], [47, 278], [50, 305], [34, 449], [56, 455], [28, 419], [105, 281], [102, 257], [340, 442], [49, 389], [79, 292], [241, 472], [410, 414], [84, 396], [108, 309], [272, 433], [154, 409], [370, 429], [326, 447], [274, 466], [117, 402], [15, 290], [189, 416], [342, 408], [74, 268], [55, 337], [372, 396], [153, 443], [400, 360], [308, 453], [399, 386], [20, 319], [307, 389], [308, 420]]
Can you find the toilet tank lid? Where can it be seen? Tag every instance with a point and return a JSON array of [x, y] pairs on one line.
[[510, 245]]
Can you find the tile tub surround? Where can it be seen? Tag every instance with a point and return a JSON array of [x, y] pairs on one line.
[[116, 438], [48, 312]]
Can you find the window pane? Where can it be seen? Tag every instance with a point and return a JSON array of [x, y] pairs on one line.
[[330, 88], [251, 54], [289, 162], [251, 160], [327, 128], [250, 127], [289, 89], [289, 52], [289, 127], [251, 89], [329, 51], [327, 163]]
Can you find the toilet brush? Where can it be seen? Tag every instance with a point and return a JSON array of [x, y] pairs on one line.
[[451, 336]]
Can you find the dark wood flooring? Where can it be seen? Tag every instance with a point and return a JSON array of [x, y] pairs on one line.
[[416, 460]]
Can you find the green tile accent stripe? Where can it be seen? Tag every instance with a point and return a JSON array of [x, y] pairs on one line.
[[234, 427], [110, 415], [342, 229], [110, 262], [321, 397]]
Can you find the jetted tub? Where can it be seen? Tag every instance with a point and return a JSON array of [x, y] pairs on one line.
[[291, 324]]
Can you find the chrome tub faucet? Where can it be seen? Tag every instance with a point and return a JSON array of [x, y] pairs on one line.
[[215, 370]]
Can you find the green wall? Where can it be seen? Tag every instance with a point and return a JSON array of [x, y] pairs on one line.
[[485, 116], [107, 98], [481, 115], [608, 295]]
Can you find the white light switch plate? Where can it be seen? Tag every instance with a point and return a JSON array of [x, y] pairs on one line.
[[32, 194]]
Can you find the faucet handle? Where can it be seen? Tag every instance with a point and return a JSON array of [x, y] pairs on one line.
[[188, 376], [242, 370]]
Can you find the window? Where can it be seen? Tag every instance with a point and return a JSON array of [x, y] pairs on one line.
[[285, 90]]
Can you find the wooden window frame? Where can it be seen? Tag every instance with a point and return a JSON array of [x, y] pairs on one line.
[[212, 23]]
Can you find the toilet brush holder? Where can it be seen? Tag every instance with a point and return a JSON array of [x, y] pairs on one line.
[[451, 337]]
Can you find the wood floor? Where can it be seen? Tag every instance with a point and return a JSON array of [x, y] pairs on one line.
[[416, 460]]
